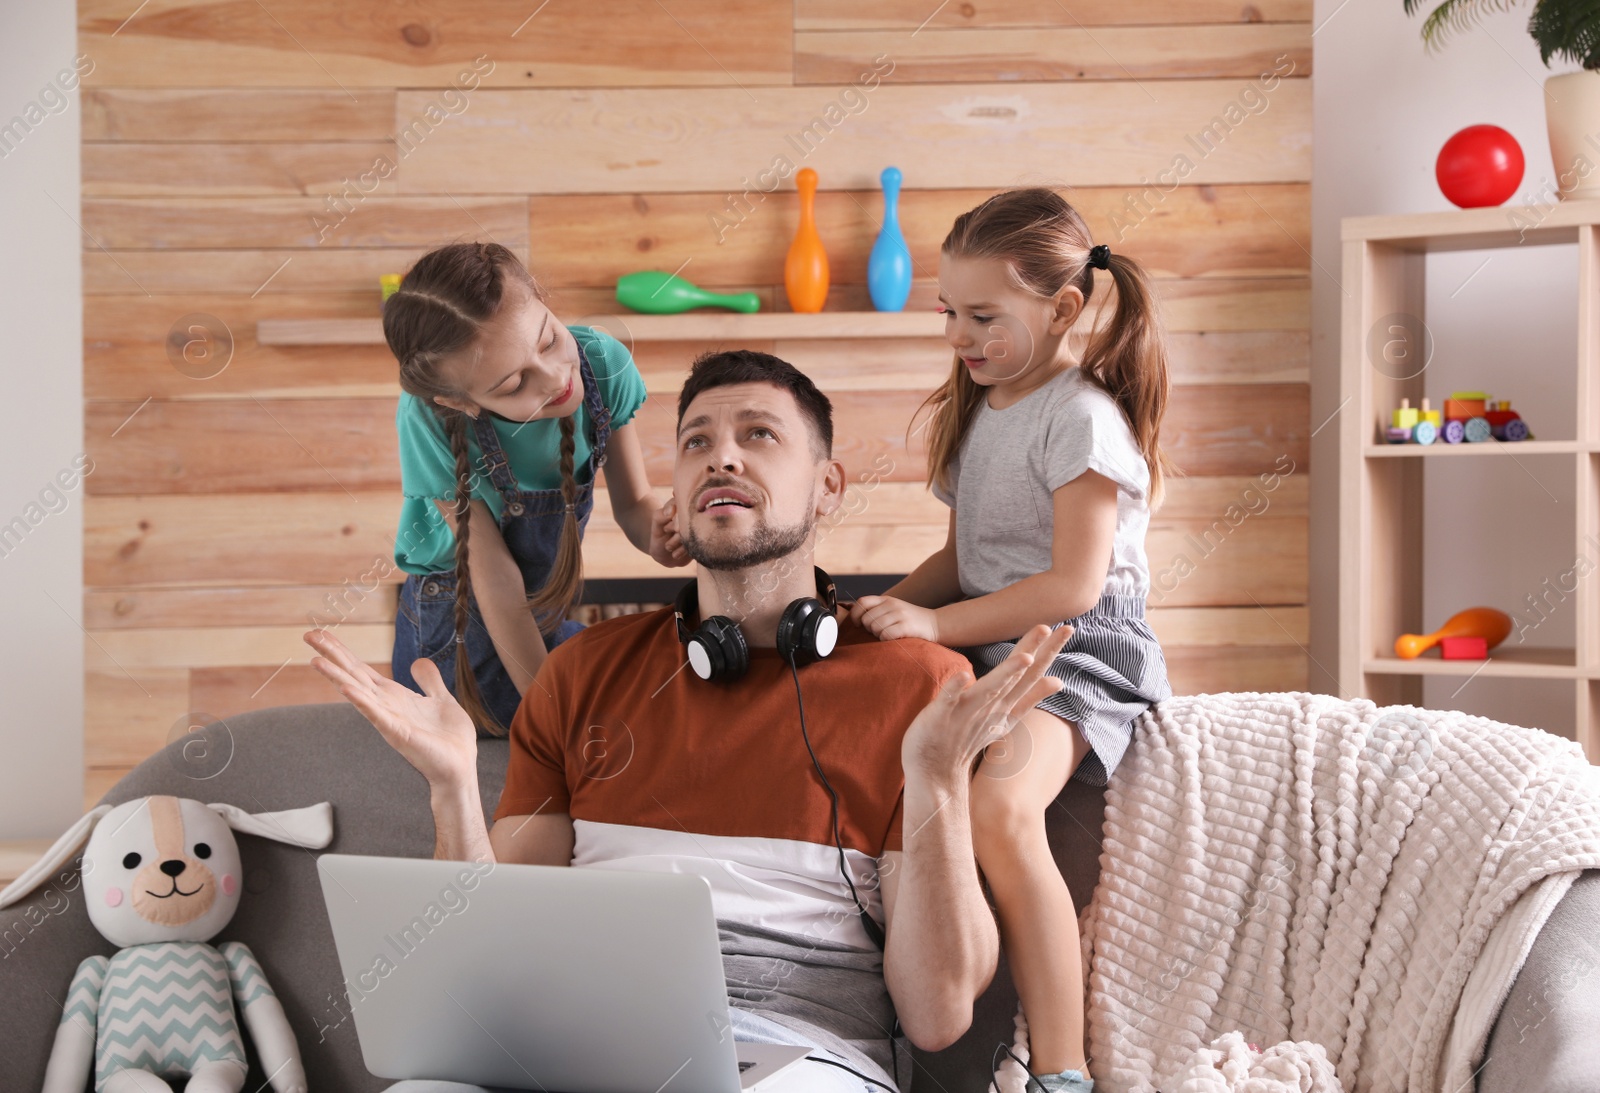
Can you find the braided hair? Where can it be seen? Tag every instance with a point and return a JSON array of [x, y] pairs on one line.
[[441, 307]]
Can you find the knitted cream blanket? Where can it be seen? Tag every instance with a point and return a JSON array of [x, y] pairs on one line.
[[1298, 868]]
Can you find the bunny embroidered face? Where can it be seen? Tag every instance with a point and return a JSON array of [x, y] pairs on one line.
[[161, 869]]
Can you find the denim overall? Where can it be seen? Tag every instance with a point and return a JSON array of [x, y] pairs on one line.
[[530, 523]]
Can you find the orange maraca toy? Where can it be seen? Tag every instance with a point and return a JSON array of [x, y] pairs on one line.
[[1475, 622], [805, 271]]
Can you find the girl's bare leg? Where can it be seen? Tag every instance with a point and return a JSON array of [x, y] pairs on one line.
[[1016, 781]]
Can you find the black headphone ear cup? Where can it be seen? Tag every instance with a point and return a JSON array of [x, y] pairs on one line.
[[722, 653], [791, 645], [807, 631], [735, 654]]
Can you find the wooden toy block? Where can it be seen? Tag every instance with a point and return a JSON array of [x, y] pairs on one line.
[[1405, 417], [1464, 648]]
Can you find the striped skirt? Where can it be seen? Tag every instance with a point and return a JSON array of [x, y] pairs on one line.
[[1111, 669]]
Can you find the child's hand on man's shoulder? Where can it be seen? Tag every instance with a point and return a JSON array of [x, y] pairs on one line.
[[888, 618]]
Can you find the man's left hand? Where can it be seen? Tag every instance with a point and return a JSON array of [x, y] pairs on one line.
[[947, 737], [888, 618]]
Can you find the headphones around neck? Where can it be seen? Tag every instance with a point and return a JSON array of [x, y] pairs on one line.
[[807, 631]]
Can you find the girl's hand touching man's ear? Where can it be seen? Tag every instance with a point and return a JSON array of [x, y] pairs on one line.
[[666, 545]]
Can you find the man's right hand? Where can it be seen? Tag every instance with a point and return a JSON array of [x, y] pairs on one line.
[[430, 730]]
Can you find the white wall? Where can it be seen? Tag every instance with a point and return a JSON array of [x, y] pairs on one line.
[[1382, 107], [41, 561]]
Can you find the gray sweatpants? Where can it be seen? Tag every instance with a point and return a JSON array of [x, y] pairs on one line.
[[807, 1076]]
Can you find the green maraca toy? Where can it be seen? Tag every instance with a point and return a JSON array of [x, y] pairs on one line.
[[661, 293]]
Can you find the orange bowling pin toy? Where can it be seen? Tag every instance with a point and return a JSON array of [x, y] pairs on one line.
[[1475, 622], [805, 272]]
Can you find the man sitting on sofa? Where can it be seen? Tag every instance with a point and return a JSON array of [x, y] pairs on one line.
[[620, 756]]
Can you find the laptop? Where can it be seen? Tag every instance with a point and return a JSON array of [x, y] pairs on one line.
[[582, 980]]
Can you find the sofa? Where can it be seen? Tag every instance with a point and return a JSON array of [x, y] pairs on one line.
[[291, 756]]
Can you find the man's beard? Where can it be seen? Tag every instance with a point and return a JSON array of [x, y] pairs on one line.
[[764, 543]]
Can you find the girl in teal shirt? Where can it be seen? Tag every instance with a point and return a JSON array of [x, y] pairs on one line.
[[505, 414]]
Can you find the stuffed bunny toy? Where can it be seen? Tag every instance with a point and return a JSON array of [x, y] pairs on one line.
[[161, 878]]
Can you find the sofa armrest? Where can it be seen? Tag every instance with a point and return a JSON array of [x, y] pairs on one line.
[[1545, 1039]]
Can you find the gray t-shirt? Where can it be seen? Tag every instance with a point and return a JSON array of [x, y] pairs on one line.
[[1013, 461], [831, 993]]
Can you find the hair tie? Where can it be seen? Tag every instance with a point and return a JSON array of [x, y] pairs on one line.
[[461, 639], [1100, 257]]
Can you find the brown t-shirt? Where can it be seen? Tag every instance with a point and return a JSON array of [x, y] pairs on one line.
[[660, 769]]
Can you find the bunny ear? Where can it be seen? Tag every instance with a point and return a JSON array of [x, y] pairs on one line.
[[58, 854], [311, 826]]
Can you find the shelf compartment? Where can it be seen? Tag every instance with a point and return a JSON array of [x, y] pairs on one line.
[[689, 326]]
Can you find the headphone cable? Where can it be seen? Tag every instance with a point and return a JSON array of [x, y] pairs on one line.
[[874, 931], [868, 923]]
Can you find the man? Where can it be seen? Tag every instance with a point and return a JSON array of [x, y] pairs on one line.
[[717, 777]]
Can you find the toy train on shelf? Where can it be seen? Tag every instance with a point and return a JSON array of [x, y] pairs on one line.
[[1469, 416]]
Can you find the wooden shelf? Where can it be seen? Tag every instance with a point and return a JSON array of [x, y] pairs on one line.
[[1474, 229], [689, 326], [1382, 486], [1514, 661], [1488, 447]]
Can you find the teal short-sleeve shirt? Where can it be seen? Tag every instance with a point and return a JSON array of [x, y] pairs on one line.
[[424, 542]]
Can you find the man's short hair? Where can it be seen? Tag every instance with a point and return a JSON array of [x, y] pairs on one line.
[[730, 366]]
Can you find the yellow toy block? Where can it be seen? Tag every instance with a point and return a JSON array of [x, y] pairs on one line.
[[1405, 417]]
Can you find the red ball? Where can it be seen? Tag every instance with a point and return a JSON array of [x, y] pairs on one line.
[[1481, 165]]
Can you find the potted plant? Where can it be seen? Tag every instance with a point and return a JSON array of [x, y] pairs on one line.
[[1569, 29]]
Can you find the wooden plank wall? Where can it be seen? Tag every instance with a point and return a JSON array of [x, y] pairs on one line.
[[231, 174]]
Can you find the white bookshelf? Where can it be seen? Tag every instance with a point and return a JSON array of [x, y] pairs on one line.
[[1381, 485]]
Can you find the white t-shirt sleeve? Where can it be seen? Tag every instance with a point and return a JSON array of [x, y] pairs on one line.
[[1088, 432]]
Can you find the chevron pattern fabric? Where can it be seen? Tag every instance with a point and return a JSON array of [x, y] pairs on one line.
[[249, 981], [166, 1008], [83, 998]]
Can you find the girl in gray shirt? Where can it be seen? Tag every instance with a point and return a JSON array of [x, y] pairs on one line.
[[1050, 468]]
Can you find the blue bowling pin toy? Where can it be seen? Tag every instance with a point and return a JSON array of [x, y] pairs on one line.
[[889, 268]]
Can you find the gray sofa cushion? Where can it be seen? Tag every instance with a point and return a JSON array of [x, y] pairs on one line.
[[1547, 1036], [292, 756]]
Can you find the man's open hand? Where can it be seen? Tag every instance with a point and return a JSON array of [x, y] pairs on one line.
[[946, 738], [430, 730]]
